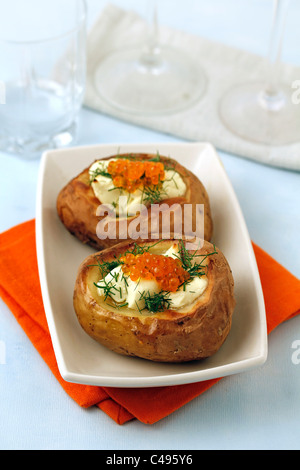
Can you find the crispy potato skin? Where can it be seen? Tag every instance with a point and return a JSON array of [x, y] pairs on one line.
[[77, 205], [193, 334]]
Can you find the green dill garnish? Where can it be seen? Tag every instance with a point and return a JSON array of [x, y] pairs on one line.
[[173, 179], [115, 189], [140, 249], [127, 156], [153, 194], [157, 302], [108, 289], [118, 306], [156, 158], [106, 267], [99, 171], [189, 263]]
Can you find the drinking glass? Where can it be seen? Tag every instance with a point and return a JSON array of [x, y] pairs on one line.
[[42, 73], [151, 79], [263, 112]]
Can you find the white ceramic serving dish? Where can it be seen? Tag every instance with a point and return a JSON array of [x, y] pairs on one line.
[[81, 359]]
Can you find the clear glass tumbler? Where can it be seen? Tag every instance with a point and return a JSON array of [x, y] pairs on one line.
[[42, 73]]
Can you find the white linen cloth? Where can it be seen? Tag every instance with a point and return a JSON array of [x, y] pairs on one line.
[[224, 67]]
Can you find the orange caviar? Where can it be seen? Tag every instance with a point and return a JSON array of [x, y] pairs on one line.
[[130, 175], [168, 272]]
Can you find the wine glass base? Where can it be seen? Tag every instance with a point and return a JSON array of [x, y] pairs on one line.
[[162, 83], [250, 114]]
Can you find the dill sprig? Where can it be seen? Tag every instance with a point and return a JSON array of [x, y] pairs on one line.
[[106, 267], [153, 194], [156, 158], [173, 179], [132, 157], [140, 249], [100, 171], [157, 302], [108, 288], [189, 263]]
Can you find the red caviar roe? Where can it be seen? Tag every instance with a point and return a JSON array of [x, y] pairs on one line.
[[168, 272], [130, 175]]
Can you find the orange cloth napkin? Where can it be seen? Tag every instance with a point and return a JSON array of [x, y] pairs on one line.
[[20, 290]]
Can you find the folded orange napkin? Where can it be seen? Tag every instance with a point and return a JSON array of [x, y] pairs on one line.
[[20, 290]]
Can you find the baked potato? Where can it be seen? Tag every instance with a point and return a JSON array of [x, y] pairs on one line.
[[85, 203], [156, 300]]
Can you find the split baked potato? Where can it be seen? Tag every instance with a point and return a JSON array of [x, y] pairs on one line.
[[127, 299], [78, 203]]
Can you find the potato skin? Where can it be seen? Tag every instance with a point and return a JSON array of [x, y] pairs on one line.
[[77, 205], [193, 334]]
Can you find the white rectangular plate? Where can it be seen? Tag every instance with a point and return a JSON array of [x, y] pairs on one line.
[[81, 359]]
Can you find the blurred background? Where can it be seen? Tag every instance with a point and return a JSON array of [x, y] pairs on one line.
[[244, 24]]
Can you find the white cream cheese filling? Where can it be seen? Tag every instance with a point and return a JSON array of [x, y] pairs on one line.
[[104, 189], [123, 290]]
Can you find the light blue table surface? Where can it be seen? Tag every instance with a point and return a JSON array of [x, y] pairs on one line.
[[258, 409]]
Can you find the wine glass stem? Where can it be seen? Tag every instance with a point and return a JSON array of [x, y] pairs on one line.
[[272, 96], [151, 57], [153, 34]]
